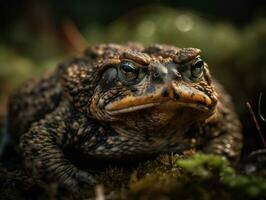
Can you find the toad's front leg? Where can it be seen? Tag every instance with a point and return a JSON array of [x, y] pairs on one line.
[[222, 132], [43, 147]]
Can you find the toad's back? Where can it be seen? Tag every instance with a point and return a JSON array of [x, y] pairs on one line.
[[31, 102]]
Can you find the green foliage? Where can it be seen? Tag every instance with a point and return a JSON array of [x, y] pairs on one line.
[[218, 168], [206, 165], [219, 41]]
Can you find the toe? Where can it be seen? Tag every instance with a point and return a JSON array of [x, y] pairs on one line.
[[85, 177]]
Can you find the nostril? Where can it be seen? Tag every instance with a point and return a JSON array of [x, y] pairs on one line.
[[159, 73], [165, 92], [176, 95]]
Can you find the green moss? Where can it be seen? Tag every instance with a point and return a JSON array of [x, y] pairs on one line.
[[212, 167], [206, 165]]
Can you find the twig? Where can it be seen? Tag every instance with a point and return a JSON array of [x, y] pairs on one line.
[[259, 108], [99, 192], [256, 123], [77, 42]]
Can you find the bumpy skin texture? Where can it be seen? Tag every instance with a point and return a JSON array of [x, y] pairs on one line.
[[97, 105]]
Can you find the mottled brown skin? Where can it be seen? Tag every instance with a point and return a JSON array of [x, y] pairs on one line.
[[118, 101]]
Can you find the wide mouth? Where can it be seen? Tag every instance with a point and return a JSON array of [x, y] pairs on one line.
[[132, 109], [180, 96]]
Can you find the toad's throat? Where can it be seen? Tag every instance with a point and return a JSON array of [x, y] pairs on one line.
[[180, 96]]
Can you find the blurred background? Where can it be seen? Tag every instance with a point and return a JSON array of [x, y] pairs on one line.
[[36, 35]]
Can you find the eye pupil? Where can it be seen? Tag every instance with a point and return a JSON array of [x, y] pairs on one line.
[[127, 67], [198, 64]]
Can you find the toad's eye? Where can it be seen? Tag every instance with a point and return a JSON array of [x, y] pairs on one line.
[[128, 67], [129, 72], [197, 68]]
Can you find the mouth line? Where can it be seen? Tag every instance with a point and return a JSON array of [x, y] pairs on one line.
[[133, 108], [197, 106], [154, 104]]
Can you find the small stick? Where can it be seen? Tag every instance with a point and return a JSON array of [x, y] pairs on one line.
[[259, 108], [99, 192], [256, 123], [77, 42]]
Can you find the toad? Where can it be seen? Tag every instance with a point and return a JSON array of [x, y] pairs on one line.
[[121, 101]]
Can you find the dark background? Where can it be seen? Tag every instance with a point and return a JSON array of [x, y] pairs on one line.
[[238, 12], [36, 35]]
